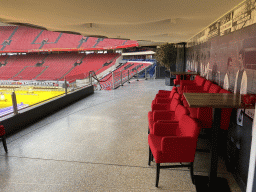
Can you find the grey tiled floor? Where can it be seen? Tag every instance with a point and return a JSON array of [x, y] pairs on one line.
[[96, 144]]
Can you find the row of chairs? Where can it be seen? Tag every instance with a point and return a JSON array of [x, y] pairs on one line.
[[172, 134], [174, 127]]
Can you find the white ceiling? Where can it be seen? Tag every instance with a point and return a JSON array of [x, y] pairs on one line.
[[153, 20]]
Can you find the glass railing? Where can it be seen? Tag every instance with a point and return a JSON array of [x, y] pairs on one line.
[[15, 98]]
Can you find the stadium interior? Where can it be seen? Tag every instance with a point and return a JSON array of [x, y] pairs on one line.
[[86, 106]]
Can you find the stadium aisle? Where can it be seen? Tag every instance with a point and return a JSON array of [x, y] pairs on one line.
[[96, 144]]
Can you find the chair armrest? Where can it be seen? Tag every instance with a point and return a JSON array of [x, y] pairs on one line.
[[165, 129], [167, 121], [162, 106], [164, 92], [187, 82], [163, 100], [192, 89], [163, 115], [163, 95]]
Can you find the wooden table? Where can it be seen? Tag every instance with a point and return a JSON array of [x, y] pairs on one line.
[[184, 73], [217, 101]]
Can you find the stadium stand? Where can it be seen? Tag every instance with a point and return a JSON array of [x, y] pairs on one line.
[[5, 35], [29, 73], [23, 40], [24, 60], [26, 39], [8, 72], [58, 65], [92, 62], [110, 43]]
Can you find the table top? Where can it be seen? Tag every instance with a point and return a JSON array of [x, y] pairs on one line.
[[215, 100], [184, 73]]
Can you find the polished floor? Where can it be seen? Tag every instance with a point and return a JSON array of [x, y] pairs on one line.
[[96, 144]]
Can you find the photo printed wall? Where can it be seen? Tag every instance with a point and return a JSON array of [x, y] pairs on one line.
[[225, 52]]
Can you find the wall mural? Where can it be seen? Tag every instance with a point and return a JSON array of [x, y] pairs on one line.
[[225, 52]]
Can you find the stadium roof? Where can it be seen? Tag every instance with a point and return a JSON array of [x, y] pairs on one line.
[[152, 20]]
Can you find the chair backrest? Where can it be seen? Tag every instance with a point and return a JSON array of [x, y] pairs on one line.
[[188, 127], [180, 110], [199, 80], [2, 130], [172, 93], [176, 96], [185, 82], [214, 89], [207, 85], [174, 104], [178, 77]]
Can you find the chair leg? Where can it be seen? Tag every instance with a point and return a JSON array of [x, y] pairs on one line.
[[4, 143], [149, 157], [192, 173], [157, 173]]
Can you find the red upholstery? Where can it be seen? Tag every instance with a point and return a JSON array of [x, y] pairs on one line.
[[167, 106], [174, 142], [166, 116], [3, 137], [166, 91], [2, 130], [168, 100], [199, 82], [184, 83], [167, 96], [179, 139], [177, 80], [214, 89], [207, 85], [198, 89]]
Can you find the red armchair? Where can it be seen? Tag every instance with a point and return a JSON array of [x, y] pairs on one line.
[[165, 95], [168, 100], [199, 82], [3, 137], [201, 89], [166, 91], [166, 116], [172, 143]]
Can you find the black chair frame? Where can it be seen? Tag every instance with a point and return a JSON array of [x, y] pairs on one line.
[[158, 167], [4, 143]]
